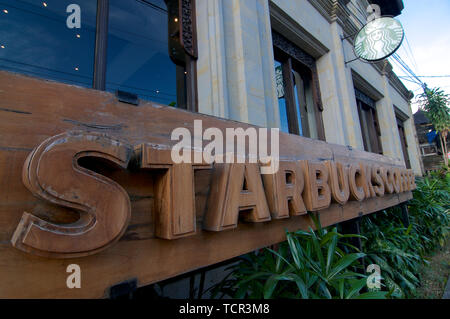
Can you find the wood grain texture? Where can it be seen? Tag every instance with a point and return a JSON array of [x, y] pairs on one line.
[[340, 189], [284, 189], [34, 110], [51, 172]]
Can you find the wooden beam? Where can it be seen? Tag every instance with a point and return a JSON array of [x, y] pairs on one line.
[[34, 110]]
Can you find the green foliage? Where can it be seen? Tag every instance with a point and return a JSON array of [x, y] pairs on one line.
[[401, 251], [323, 264], [435, 103], [313, 264]]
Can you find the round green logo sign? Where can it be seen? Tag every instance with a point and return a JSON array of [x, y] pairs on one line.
[[378, 39]]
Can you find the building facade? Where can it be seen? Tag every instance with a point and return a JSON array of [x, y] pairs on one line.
[[114, 66], [237, 66]]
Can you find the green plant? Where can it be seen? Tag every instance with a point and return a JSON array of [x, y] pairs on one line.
[[396, 249], [435, 103], [322, 264], [401, 251], [313, 264]]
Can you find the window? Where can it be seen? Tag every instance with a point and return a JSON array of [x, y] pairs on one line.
[[297, 90], [428, 149], [368, 119], [138, 58], [35, 40], [143, 47], [401, 118]]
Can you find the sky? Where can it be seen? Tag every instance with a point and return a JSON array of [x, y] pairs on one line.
[[426, 47]]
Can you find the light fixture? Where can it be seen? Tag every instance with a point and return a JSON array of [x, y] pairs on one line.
[[78, 36], [44, 4], [76, 68], [176, 19], [157, 91], [2, 46], [5, 11]]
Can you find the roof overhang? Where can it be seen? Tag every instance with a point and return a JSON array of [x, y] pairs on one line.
[[389, 7]]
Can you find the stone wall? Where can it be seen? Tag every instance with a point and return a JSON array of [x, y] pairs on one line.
[[235, 67]]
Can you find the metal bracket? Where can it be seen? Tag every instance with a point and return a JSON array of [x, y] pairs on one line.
[[124, 290], [349, 36], [405, 214], [342, 40], [127, 97], [347, 62], [352, 226]]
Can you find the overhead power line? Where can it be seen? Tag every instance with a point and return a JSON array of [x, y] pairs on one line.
[[408, 70], [430, 76], [412, 53]]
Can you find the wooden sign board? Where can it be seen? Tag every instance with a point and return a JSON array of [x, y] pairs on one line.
[[88, 180]]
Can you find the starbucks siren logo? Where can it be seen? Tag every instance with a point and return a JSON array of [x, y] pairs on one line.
[[378, 39]]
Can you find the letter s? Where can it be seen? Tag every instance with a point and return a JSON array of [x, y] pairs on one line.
[[51, 172]]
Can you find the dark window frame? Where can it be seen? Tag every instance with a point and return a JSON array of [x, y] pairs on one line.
[[183, 41], [368, 119], [400, 118], [293, 58]]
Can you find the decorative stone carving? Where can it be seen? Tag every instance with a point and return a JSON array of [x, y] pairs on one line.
[[187, 17]]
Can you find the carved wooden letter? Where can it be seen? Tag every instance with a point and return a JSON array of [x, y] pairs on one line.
[[412, 180], [284, 190], [356, 182], [51, 172], [366, 171], [317, 194], [388, 179], [340, 190], [396, 181], [404, 178], [174, 193], [235, 188], [377, 180]]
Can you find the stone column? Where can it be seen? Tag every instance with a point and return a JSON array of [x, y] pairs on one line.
[[413, 146], [390, 138], [340, 113], [235, 68]]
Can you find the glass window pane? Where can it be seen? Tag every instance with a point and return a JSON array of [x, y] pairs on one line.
[[281, 97], [36, 40], [310, 107], [299, 101], [138, 58], [365, 128]]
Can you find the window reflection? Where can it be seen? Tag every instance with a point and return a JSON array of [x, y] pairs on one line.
[[35, 40], [138, 58], [306, 110], [281, 97], [369, 123], [300, 102]]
